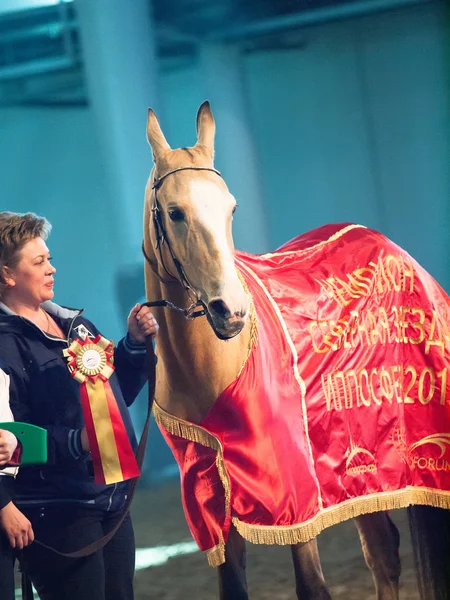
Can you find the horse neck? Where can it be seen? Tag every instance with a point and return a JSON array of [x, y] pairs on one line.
[[194, 366]]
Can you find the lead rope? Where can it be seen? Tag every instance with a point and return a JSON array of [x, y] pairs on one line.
[[27, 590]]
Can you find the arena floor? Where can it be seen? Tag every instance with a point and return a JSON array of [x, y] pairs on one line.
[[159, 521]]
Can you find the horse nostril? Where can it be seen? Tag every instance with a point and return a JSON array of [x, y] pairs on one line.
[[219, 309]]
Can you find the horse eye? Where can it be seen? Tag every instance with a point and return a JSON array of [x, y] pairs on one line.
[[234, 208], [176, 214]]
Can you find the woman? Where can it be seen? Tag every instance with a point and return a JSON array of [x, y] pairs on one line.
[[67, 509], [15, 528]]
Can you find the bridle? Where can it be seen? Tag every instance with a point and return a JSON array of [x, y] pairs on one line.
[[191, 311]]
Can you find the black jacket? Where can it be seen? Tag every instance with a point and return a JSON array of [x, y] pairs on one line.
[[42, 392], [6, 481]]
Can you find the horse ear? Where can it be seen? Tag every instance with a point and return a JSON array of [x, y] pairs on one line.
[[155, 136], [206, 127]]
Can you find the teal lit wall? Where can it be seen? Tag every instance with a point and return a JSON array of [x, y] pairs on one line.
[[355, 127]]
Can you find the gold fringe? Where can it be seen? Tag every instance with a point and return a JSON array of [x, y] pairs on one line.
[[297, 376], [216, 556], [349, 509], [195, 433], [253, 328], [221, 468], [185, 429], [253, 322], [301, 532], [332, 238]]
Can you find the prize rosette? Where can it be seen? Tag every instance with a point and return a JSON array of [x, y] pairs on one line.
[[90, 362]]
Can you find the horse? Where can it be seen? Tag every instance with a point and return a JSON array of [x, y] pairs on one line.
[[206, 339]]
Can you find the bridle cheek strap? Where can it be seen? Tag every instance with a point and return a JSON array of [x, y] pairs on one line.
[[161, 238]]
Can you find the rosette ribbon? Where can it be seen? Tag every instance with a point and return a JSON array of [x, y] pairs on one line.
[[90, 362]]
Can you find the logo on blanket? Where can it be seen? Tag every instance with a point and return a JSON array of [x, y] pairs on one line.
[[437, 445], [368, 465]]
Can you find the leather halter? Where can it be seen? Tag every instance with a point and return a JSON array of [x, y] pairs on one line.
[[161, 238]]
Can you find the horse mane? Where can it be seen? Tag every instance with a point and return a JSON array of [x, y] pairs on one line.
[[196, 156]]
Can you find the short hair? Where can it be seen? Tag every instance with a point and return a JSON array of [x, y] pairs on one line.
[[16, 229]]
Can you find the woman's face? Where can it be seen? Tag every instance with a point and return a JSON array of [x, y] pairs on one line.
[[31, 281]]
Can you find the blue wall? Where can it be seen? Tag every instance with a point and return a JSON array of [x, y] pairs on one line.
[[355, 127]]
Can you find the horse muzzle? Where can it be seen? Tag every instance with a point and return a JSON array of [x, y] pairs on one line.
[[225, 324]]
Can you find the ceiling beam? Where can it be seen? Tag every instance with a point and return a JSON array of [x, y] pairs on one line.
[[318, 16], [36, 67]]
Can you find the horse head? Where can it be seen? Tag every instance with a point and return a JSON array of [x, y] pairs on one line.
[[190, 228]]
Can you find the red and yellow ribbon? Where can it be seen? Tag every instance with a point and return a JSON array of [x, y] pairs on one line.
[[90, 362]]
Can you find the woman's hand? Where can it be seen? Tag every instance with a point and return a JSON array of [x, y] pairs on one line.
[[85, 440], [141, 324], [17, 527], [8, 443]]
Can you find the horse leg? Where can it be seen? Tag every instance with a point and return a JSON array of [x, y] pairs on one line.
[[310, 583], [380, 542], [232, 578], [430, 537]]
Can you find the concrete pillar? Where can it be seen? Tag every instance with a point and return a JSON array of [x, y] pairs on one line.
[[236, 156], [119, 56]]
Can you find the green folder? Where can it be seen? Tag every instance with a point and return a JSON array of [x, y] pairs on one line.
[[33, 440]]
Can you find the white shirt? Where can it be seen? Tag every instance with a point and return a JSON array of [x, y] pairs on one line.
[[5, 413]]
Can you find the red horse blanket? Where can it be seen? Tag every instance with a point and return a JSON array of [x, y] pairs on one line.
[[342, 407]]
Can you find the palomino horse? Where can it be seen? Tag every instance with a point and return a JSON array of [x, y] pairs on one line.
[[189, 253]]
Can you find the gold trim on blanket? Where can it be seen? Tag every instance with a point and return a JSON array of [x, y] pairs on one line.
[[349, 509], [196, 433], [184, 429], [301, 532], [315, 247], [297, 375], [253, 323], [216, 555]]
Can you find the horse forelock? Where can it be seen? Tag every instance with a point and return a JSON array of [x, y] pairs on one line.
[[194, 156]]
